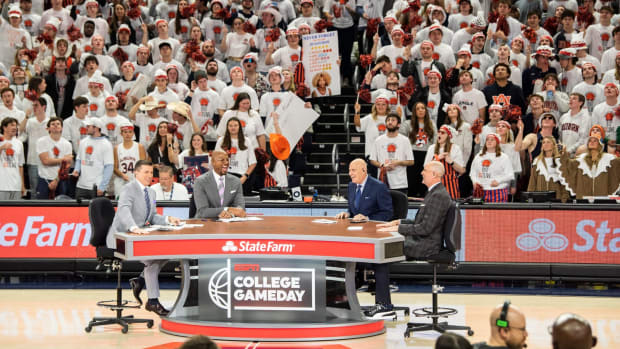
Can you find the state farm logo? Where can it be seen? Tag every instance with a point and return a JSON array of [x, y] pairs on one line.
[[229, 247], [258, 246], [542, 234]]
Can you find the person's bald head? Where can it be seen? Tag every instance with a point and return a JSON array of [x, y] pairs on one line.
[[514, 335], [219, 161], [358, 171], [571, 331]]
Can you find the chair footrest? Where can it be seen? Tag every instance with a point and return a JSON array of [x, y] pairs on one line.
[[428, 312], [113, 305]]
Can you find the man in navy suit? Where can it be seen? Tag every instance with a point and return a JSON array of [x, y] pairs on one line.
[[370, 199]]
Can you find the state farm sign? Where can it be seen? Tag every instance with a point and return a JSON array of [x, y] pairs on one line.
[[45, 232], [535, 236]]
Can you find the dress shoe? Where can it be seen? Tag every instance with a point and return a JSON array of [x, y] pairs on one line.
[[137, 284], [157, 308], [380, 310]]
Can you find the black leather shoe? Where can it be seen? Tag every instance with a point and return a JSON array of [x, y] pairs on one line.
[[380, 309], [137, 284], [157, 308]]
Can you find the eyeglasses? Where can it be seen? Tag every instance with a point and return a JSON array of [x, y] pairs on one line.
[[548, 118], [249, 60]]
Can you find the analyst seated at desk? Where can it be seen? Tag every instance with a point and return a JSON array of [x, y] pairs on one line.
[[368, 197], [423, 236], [217, 193]]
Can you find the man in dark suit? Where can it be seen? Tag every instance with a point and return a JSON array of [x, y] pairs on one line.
[[218, 194], [370, 199], [136, 209], [423, 236]]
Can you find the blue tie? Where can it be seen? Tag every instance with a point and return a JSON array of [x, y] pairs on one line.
[[358, 197], [148, 205]]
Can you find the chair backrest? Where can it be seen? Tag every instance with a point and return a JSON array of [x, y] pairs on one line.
[[400, 204], [452, 228], [101, 215], [192, 207]]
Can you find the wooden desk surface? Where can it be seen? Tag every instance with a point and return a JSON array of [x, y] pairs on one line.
[[281, 226]]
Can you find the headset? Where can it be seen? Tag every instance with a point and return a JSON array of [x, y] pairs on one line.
[[502, 322]]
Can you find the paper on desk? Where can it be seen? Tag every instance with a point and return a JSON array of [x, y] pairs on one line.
[[240, 219], [157, 227], [187, 225], [355, 228], [324, 221]]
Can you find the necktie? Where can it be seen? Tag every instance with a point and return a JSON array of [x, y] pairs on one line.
[[148, 205], [220, 189], [358, 196]]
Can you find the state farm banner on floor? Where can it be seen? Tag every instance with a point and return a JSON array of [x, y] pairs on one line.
[[320, 59], [45, 232], [542, 236]]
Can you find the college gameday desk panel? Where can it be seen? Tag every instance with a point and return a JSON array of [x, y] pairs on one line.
[[268, 280]]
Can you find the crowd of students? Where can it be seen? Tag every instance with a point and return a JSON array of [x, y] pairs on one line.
[[510, 98]]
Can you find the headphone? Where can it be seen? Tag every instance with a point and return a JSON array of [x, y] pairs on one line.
[[502, 322]]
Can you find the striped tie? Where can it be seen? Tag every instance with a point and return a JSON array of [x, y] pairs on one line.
[[220, 189]]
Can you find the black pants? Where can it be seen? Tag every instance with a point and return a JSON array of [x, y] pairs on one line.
[[414, 175], [382, 282], [346, 37]]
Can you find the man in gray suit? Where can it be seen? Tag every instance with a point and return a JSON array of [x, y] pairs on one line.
[[218, 194], [136, 209], [423, 236]]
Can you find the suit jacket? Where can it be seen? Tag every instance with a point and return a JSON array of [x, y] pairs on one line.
[[207, 197], [423, 236], [376, 201], [131, 211], [52, 91]]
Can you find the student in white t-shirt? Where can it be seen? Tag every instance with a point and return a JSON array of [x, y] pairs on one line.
[[250, 121], [373, 124], [392, 154], [236, 44], [12, 186], [471, 100], [53, 152], [240, 149], [126, 155], [31, 129], [147, 120]]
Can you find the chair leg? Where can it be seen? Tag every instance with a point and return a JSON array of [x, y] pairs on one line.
[[119, 319], [440, 327]]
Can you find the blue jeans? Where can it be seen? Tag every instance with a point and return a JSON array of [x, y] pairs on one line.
[[43, 191], [33, 180]]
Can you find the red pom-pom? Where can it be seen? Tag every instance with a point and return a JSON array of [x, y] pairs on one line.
[[74, 33], [530, 35], [476, 127], [120, 55], [223, 13], [372, 26], [46, 39], [551, 25], [302, 90], [31, 95], [407, 39], [365, 95], [365, 61], [273, 36], [249, 28], [584, 17], [188, 11], [321, 25], [199, 57]]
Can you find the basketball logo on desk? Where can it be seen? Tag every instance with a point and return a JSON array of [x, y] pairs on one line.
[[229, 247]]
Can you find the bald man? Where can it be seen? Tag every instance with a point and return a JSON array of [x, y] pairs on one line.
[[368, 197], [571, 331], [508, 332], [218, 194]]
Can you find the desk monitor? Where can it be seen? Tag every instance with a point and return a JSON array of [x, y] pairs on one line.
[[538, 196]]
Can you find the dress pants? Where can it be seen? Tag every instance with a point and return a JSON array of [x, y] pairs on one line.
[[151, 276], [382, 282]]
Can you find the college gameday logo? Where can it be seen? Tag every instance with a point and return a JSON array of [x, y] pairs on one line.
[[249, 287], [550, 236]]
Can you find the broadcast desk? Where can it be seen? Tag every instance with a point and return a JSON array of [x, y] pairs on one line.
[[267, 280]]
